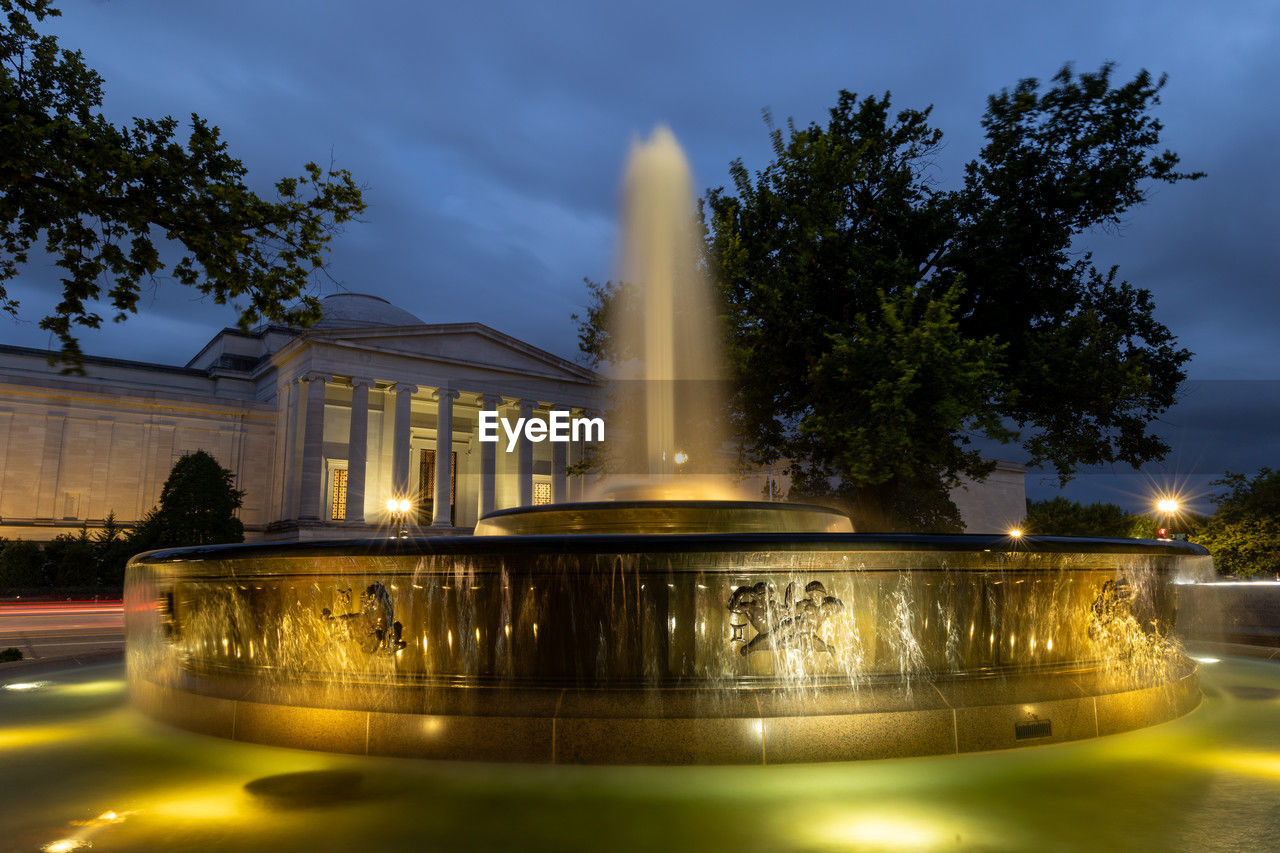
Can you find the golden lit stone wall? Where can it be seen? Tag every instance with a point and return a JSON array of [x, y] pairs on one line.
[[73, 449]]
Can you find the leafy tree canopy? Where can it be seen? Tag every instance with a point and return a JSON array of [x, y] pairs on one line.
[[112, 548], [71, 560], [106, 202], [1244, 533], [197, 507], [21, 564], [879, 322], [1064, 517]]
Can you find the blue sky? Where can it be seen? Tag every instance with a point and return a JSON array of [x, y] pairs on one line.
[[491, 139]]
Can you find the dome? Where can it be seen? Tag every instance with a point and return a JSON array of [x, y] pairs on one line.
[[357, 310]]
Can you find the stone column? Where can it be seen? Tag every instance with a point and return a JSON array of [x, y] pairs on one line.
[[488, 460], [559, 462], [287, 428], [400, 443], [311, 483], [524, 460], [358, 449], [442, 510]]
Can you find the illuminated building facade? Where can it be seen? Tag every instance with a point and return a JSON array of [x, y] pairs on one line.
[[321, 427]]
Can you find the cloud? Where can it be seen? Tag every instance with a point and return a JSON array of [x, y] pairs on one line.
[[1217, 426]]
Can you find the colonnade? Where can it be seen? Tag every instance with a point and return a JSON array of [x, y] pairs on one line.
[[310, 461]]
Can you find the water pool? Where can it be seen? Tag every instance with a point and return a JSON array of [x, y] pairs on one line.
[[79, 765]]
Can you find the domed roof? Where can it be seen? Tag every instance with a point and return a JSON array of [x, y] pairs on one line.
[[357, 310]]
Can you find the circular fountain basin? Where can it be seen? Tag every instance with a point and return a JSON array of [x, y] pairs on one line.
[[672, 648], [646, 516]]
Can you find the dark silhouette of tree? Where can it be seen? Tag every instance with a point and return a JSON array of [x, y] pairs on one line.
[[112, 551], [109, 203], [71, 560], [197, 507], [21, 564]]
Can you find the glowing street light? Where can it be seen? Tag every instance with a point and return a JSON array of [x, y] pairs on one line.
[[1168, 508], [1015, 532], [681, 457], [399, 510]]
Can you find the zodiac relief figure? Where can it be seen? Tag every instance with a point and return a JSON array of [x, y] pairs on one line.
[[794, 624], [374, 624], [1111, 609]]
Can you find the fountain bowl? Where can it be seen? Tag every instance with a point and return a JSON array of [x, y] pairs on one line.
[[661, 648], [664, 516]]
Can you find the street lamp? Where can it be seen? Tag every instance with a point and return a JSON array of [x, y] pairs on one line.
[[1168, 508], [399, 510], [1015, 532]]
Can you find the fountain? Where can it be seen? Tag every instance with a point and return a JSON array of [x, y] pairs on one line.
[[665, 623]]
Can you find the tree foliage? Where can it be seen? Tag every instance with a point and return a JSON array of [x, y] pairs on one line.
[[71, 560], [1243, 534], [113, 547], [879, 322], [108, 202], [1063, 517], [21, 564], [197, 507]]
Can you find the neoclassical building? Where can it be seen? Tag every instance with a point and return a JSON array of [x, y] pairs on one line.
[[321, 426]]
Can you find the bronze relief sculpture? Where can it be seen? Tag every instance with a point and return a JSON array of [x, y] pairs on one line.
[[794, 624]]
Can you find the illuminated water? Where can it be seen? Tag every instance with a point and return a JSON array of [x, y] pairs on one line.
[[70, 751], [666, 395]]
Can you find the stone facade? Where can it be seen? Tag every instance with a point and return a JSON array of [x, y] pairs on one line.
[[353, 405]]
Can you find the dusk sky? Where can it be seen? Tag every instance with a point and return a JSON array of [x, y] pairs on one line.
[[491, 139]]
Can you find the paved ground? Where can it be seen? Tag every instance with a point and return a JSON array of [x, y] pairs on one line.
[[62, 629]]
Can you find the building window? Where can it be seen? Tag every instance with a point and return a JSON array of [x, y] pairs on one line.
[[338, 492], [541, 492], [427, 485]]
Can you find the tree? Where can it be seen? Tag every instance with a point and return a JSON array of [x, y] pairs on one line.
[[71, 560], [1243, 534], [21, 564], [96, 197], [1063, 517], [197, 507], [879, 323], [112, 549]]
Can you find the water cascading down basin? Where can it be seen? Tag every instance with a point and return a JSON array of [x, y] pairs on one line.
[[660, 633]]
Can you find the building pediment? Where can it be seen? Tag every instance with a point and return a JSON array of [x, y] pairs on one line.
[[471, 344]]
